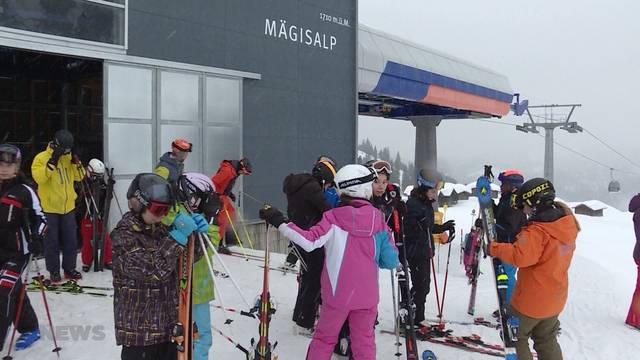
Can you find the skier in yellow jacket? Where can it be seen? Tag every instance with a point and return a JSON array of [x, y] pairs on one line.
[[54, 170]]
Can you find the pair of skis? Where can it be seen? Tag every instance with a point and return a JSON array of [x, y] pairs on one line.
[[404, 306], [509, 324]]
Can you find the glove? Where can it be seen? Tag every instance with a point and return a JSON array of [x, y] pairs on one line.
[[447, 226], [271, 215], [232, 196], [75, 159], [183, 226], [201, 223], [57, 152], [35, 246]]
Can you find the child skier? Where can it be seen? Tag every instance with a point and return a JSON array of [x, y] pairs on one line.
[[145, 270], [16, 198], [199, 195], [355, 230], [542, 251]]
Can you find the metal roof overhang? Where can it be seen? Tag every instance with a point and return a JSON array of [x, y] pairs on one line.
[[400, 79]]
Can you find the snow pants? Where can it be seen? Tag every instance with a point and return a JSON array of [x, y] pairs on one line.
[[202, 316], [543, 332], [633, 317], [86, 231], [10, 289], [162, 351], [511, 271], [61, 227], [361, 323], [308, 299], [420, 271]]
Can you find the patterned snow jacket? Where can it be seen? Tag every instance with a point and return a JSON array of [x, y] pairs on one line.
[[145, 281]]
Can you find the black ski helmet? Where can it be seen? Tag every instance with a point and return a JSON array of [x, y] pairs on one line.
[[148, 188], [63, 138], [535, 192], [324, 171]]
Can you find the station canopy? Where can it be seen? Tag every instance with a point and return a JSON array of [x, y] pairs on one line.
[[400, 79]]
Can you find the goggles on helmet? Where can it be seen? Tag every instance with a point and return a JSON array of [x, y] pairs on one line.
[[381, 166], [10, 154], [158, 209]]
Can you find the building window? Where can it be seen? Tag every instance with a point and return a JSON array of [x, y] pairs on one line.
[[102, 21]]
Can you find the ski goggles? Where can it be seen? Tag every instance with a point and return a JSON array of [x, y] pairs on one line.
[[438, 185], [158, 209], [381, 166], [10, 154]]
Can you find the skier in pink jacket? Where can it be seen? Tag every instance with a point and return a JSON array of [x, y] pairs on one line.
[[357, 241]]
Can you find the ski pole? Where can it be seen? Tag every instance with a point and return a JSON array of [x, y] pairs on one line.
[[56, 348], [24, 277], [241, 312], [396, 326], [435, 283], [226, 269], [299, 256], [446, 275], [27, 225], [233, 227], [215, 288], [244, 227], [238, 346]]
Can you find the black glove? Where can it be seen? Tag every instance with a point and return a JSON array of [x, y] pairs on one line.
[[271, 215], [35, 246], [448, 226], [232, 196], [57, 152]]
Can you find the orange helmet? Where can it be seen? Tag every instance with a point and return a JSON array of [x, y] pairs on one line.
[[182, 145]]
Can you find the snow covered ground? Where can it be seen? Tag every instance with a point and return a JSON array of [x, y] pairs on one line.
[[602, 278]]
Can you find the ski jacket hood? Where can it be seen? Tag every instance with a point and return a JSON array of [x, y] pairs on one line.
[[296, 182], [357, 242], [543, 252], [305, 200], [169, 168]]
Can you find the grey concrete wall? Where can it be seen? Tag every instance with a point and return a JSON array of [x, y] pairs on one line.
[[305, 103]]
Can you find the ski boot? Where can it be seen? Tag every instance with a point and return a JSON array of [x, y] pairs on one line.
[[26, 339]]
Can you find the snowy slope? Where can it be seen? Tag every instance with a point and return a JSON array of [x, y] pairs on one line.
[[602, 277]]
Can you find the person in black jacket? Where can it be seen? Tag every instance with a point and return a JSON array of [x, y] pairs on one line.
[[509, 220], [305, 204], [419, 225], [20, 215]]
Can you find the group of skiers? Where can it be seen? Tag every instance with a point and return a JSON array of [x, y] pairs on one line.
[[535, 233], [343, 224]]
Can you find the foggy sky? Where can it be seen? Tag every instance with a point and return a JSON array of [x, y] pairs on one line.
[[553, 52]]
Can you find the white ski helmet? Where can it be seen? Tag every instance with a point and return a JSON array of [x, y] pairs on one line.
[[355, 181], [96, 166]]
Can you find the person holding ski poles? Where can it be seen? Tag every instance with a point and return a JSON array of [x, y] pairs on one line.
[[306, 203], [509, 220], [355, 230], [419, 226], [633, 317], [145, 270], [224, 180], [542, 251], [55, 170], [16, 198], [98, 188], [201, 200]]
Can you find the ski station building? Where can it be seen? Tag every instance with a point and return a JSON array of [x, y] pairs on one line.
[[280, 82]]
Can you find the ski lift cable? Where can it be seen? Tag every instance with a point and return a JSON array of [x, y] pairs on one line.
[[569, 149], [611, 148]]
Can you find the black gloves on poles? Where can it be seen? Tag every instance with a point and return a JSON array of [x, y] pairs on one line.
[[449, 226], [271, 215], [57, 152]]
